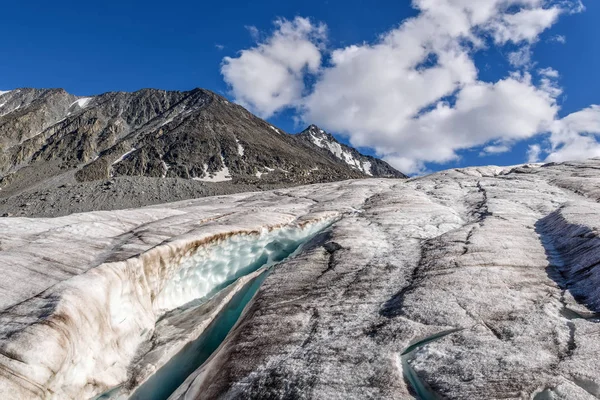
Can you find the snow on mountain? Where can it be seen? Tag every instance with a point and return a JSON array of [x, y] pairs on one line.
[[475, 283], [240, 148], [81, 103], [348, 155], [123, 156]]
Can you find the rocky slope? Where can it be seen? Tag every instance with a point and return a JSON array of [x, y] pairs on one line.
[[50, 137], [477, 283]]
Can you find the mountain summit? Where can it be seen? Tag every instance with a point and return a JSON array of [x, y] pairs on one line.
[[367, 165], [50, 138]]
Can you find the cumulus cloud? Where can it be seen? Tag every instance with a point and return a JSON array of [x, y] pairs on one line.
[[414, 95], [548, 72], [495, 149], [533, 153], [524, 25], [521, 57], [575, 136], [562, 39], [270, 76]]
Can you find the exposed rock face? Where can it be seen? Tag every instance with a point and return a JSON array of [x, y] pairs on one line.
[[478, 283], [153, 133]]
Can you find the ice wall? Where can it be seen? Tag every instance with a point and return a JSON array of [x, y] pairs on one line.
[[210, 268], [573, 247], [77, 339]]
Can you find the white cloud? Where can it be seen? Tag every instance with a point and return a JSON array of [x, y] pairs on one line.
[[414, 95], [495, 149], [270, 76], [548, 72], [575, 136], [533, 153], [524, 25], [254, 33], [548, 81], [520, 57], [562, 39]]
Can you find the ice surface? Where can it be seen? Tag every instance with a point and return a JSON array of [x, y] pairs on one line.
[[167, 379], [210, 269], [510, 255]]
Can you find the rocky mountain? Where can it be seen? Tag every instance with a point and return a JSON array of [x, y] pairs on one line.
[[476, 283], [53, 136], [366, 164]]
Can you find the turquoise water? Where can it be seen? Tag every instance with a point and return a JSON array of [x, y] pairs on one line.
[[420, 388], [168, 378]]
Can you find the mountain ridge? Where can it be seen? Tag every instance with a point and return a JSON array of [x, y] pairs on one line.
[[49, 138]]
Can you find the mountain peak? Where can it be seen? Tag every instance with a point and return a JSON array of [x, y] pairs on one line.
[[195, 137], [367, 165]]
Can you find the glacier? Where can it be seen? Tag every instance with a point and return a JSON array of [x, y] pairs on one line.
[[467, 283]]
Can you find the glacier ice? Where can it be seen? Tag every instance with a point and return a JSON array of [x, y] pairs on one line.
[[508, 255], [213, 267]]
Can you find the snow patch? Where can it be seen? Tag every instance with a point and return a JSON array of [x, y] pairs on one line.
[[2, 93], [220, 176], [337, 150], [275, 129], [167, 121], [240, 148], [124, 156], [366, 167], [166, 168], [81, 103]]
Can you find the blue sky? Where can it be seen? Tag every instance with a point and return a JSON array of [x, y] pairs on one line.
[[90, 48]]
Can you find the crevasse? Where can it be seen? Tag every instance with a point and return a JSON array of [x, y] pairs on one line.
[[212, 268], [238, 264]]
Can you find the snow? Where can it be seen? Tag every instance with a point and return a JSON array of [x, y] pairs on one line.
[[220, 176], [337, 150], [366, 167], [275, 129], [167, 121], [4, 92], [240, 148], [81, 103], [13, 110], [124, 156], [166, 168]]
